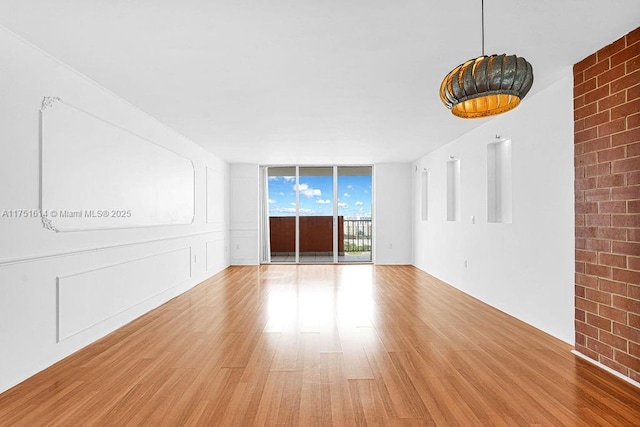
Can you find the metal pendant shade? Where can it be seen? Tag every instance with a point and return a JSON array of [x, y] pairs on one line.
[[486, 86]]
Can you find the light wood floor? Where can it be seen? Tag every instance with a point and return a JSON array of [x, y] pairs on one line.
[[323, 345]]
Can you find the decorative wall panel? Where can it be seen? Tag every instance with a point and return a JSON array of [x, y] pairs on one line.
[[215, 197], [97, 175], [215, 252], [88, 298]]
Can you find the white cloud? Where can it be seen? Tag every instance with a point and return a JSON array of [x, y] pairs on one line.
[[305, 190], [281, 194], [347, 195], [343, 205], [323, 202], [312, 192], [290, 210], [292, 203], [350, 187], [282, 178], [359, 203], [272, 201]]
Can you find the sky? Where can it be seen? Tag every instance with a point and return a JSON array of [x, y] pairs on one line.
[[316, 195]]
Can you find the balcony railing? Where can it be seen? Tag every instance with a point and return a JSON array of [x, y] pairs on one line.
[[357, 235]]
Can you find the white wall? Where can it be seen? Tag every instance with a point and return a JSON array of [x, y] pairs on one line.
[[392, 213], [524, 268], [245, 214], [61, 291]]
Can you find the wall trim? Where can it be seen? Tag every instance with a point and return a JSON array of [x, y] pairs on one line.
[[42, 257], [59, 279], [49, 103], [606, 368]]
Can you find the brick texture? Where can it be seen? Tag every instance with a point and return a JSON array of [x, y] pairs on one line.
[[607, 204]]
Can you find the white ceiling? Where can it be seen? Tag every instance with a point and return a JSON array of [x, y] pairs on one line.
[[309, 81]]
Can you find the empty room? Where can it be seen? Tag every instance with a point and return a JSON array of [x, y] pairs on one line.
[[305, 213]]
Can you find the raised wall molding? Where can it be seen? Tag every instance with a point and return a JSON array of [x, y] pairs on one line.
[[97, 175], [48, 101], [46, 223], [88, 298], [43, 257]]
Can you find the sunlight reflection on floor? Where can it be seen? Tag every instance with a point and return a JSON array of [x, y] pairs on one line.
[[316, 304]]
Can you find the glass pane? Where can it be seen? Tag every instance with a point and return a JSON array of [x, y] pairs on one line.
[[281, 188], [354, 213], [316, 214]]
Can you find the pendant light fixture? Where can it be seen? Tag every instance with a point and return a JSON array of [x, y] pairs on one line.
[[487, 85]]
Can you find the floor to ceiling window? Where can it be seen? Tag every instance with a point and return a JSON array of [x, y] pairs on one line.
[[279, 218], [316, 214], [354, 212]]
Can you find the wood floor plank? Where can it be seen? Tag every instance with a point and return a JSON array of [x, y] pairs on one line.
[[289, 411], [286, 357], [323, 345], [368, 403], [357, 364], [399, 396], [269, 406], [218, 394], [437, 411], [311, 393], [339, 398]]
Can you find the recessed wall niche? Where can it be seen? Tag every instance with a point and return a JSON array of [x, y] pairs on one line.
[[424, 194], [499, 182], [453, 190]]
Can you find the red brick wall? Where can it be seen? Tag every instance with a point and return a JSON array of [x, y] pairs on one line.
[[607, 206]]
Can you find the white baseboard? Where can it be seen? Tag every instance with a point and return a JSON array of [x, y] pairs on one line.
[[606, 368]]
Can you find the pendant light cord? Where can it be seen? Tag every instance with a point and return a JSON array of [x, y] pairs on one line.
[[482, 27]]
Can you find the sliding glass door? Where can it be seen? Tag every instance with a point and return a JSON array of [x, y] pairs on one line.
[[316, 214], [354, 212], [280, 229]]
